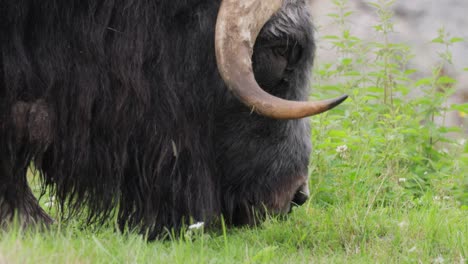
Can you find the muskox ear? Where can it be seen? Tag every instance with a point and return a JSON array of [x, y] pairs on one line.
[[238, 25]]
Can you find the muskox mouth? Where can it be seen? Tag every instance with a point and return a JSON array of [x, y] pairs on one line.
[[238, 25]]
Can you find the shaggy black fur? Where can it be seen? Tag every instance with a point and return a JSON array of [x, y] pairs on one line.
[[120, 106]]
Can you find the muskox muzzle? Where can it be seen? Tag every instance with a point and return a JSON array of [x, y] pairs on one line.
[[238, 25], [301, 195]]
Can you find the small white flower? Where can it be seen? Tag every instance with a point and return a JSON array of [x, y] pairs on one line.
[[439, 260], [403, 224], [425, 173], [446, 198], [462, 142], [197, 225], [437, 198], [462, 259], [412, 249], [51, 202], [401, 179], [341, 149]]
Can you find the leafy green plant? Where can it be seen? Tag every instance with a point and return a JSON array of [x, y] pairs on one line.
[[385, 148]]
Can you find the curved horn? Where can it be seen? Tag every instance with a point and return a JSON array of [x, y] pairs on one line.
[[238, 25]]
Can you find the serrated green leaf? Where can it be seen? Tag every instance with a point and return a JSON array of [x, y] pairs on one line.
[[445, 80], [347, 14], [456, 39], [410, 71], [346, 61], [376, 5], [378, 28], [449, 130], [460, 107], [353, 73], [424, 81], [438, 40]]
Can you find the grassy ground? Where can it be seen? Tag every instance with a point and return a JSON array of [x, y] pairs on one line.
[[388, 183], [344, 233]]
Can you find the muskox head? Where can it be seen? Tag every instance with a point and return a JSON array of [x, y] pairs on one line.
[[237, 28], [264, 51]]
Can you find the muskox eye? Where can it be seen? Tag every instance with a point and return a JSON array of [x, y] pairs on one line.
[[280, 51], [291, 52], [274, 61], [294, 55], [269, 64]]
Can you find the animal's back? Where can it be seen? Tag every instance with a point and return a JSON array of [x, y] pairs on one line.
[[123, 94]]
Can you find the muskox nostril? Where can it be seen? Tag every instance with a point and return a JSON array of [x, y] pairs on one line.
[[301, 195], [300, 198]]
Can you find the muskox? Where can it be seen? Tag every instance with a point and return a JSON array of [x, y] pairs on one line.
[[160, 112]]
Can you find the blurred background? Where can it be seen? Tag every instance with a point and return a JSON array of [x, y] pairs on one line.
[[416, 23]]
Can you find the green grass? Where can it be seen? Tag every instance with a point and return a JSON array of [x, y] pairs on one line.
[[343, 233], [388, 183]]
